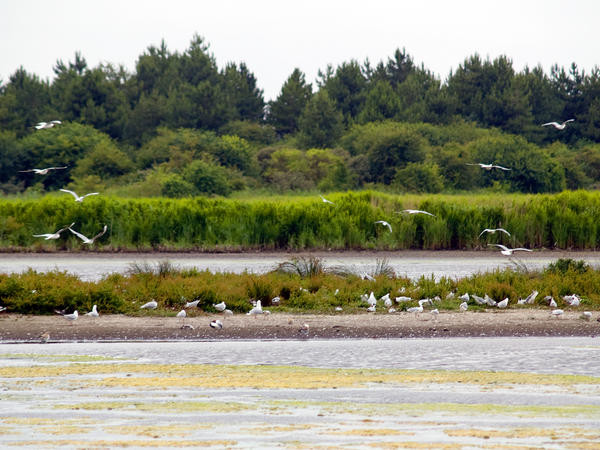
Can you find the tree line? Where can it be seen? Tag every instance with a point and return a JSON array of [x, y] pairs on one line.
[[178, 126]]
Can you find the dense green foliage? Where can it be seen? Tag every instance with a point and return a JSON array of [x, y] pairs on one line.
[[303, 291], [565, 220], [178, 119]]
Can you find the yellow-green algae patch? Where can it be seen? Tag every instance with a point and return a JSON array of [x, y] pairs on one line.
[[283, 377], [526, 432], [156, 443], [452, 409], [172, 407], [371, 432], [45, 421], [58, 358], [155, 431]]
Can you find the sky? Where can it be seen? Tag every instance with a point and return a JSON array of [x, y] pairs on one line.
[[272, 37]]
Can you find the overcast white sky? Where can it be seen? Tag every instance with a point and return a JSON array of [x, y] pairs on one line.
[[274, 36]]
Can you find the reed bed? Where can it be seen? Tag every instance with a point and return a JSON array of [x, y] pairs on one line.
[[568, 220], [313, 291]]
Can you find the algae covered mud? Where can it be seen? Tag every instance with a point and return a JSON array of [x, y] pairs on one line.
[[211, 395]]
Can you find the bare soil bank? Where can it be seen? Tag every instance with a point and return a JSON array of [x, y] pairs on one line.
[[19, 328]]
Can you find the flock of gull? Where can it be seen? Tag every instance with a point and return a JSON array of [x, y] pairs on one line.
[[572, 301]]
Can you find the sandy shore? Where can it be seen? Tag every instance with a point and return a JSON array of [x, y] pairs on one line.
[[20, 328]]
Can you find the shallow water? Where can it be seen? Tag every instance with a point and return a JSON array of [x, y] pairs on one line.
[[413, 264], [565, 355]]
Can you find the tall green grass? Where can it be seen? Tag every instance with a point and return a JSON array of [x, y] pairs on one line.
[[565, 220]]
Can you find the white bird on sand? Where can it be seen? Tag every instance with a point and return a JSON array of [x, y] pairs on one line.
[[489, 301], [339, 308], [43, 171], [493, 230], [325, 200], [304, 329], [417, 211], [220, 306], [150, 305], [77, 197], [463, 306], [93, 312], [71, 317], [228, 312], [256, 310], [509, 251], [403, 299], [551, 301], [385, 224], [464, 297], [503, 304], [372, 300], [44, 125], [572, 300], [586, 315], [556, 313], [181, 314], [2, 308], [416, 309], [488, 166], [435, 313], [479, 300], [371, 308], [191, 304], [56, 235], [86, 240], [558, 126], [217, 324], [387, 301]]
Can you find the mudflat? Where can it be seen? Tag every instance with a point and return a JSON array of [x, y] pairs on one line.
[[522, 322]]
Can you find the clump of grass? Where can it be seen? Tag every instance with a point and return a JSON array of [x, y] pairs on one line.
[[563, 265], [305, 267]]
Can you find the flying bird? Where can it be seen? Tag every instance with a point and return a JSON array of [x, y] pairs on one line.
[[77, 197], [93, 312], [88, 240], [385, 224], [325, 200], [558, 126], [43, 171], [509, 251], [417, 211], [488, 166], [56, 235], [44, 125], [493, 230], [150, 305]]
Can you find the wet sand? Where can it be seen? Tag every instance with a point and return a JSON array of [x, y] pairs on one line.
[[523, 322]]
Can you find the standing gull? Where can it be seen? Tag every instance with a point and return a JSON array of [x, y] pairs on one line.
[[150, 305], [93, 312]]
